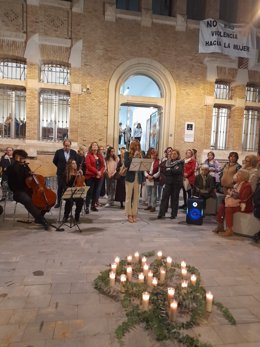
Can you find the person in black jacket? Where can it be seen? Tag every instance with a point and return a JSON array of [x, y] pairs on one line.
[[6, 161], [16, 175], [172, 169], [60, 160]]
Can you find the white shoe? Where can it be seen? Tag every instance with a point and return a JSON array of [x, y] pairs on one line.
[[107, 205]]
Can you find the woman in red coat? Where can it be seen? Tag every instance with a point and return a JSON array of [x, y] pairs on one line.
[[239, 199], [189, 173], [95, 168]]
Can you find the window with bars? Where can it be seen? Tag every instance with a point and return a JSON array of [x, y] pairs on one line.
[[253, 93], [130, 5], [228, 10], [54, 115], [219, 127], [196, 9], [222, 90], [12, 69], [250, 130], [54, 73], [162, 7], [12, 113]]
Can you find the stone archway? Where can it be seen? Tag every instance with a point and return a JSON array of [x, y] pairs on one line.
[[167, 103]]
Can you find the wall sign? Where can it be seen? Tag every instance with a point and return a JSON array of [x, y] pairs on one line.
[[189, 132]]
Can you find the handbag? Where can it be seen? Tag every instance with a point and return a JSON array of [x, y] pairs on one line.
[[231, 202], [186, 184], [123, 170]]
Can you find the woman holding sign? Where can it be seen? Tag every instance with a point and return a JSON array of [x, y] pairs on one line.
[[133, 181]]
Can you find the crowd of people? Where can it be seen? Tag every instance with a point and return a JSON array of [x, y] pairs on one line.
[[106, 174]]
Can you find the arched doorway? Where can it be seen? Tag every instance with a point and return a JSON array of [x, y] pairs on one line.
[[165, 104]]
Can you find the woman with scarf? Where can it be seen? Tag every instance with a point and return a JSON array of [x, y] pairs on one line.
[[189, 175], [172, 169]]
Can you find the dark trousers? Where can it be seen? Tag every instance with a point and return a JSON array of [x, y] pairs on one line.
[[173, 191], [185, 194], [61, 187], [68, 206], [26, 200], [93, 184]]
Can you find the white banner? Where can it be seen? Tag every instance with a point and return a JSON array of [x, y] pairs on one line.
[[220, 37]]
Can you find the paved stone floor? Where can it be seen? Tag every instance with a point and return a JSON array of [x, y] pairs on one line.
[[47, 297]]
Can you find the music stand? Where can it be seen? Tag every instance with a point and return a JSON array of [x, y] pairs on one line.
[[72, 193], [140, 164]]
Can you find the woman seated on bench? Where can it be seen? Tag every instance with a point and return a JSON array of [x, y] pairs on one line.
[[238, 199]]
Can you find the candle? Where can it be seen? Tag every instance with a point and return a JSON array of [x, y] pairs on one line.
[[141, 278], [149, 278], [129, 259], [143, 261], [171, 292], [184, 285], [193, 279], [146, 297], [184, 272], [169, 262], [173, 310], [112, 279], [159, 255], [136, 255], [129, 272], [162, 275], [113, 267], [154, 282], [122, 282], [145, 269], [183, 264], [209, 301], [117, 260]]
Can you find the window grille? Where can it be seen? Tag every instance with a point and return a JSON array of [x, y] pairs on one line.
[[54, 115], [219, 127], [162, 7], [253, 93], [130, 5], [250, 130], [12, 69], [12, 113], [222, 90], [53, 73], [196, 9]]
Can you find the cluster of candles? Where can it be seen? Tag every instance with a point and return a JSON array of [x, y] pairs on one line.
[[153, 281]]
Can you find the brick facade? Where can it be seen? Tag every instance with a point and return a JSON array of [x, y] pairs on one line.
[[110, 38]]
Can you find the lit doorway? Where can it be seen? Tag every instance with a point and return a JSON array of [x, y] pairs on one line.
[[149, 119], [130, 74]]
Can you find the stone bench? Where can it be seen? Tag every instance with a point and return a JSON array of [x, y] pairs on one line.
[[246, 224], [212, 204]]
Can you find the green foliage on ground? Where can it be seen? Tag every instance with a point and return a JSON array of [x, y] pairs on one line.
[[191, 302]]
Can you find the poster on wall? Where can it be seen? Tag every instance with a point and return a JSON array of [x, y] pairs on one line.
[[189, 132], [154, 130]]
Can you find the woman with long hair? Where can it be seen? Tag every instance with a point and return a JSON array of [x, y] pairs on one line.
[[73, 178], [111, 161], [133, 181], [120, 184], [95, 168]]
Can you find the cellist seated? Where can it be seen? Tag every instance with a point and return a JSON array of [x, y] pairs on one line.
[[17, 173], [73, 178]]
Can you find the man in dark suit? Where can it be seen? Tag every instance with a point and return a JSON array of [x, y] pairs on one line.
[[60, 160]]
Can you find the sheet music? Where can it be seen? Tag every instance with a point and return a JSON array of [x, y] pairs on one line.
[[75, 192], [140, 164]]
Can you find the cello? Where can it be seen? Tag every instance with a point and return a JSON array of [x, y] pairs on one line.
[[42, 197]]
